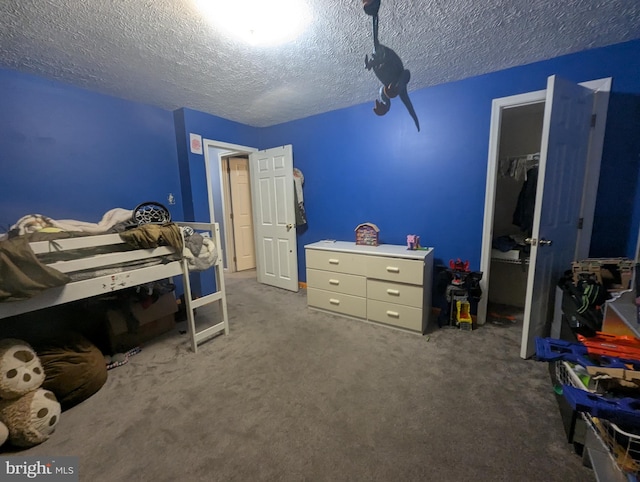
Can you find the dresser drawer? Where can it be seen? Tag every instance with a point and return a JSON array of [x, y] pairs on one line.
[[402, 294], [339, 282], [402, 316], [338, 302], [336, 261], [395, 269]]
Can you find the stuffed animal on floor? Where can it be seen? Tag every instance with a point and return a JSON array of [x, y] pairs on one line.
[[28, 413], [4, 434]]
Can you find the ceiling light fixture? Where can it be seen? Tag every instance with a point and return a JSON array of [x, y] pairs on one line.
[[258, 22]]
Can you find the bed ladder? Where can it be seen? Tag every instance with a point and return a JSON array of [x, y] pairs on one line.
[[198, 337]]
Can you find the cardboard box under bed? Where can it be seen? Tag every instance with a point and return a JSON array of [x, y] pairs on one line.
[[135, 325]]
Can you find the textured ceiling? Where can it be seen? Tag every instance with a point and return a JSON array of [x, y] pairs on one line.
[[161, 52]]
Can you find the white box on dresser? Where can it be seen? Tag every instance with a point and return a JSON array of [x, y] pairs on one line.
[[386, 284]]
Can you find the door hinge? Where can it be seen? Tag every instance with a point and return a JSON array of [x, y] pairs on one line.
[[593, 119], [235, 259], [231, 216], [580, 223]]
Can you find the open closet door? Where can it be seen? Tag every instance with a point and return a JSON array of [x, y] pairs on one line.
[[561, 173], [271, 174]]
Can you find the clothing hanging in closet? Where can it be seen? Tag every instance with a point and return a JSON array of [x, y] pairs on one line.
[[517, 167], [523, 168], [523, 214], [298, 197]]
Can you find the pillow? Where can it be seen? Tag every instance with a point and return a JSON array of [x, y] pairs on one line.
[[74, 368]]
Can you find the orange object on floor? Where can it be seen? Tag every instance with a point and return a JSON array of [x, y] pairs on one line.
[[612, 345], [506, 317]]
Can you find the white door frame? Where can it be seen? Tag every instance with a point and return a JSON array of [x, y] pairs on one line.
[[601, 88], [226, 193], [225, 149], [498, 105]]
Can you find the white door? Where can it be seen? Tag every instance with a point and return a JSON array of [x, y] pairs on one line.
[[241, 211], [561, 174], [271, 175]]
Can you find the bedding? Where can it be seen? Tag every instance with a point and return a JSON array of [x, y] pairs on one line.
[[154, 235], [200, 252], [32, 223], [23, 274]]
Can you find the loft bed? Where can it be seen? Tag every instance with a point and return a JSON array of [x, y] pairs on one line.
[[101, 264]]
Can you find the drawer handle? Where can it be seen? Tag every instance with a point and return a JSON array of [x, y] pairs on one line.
[[333, 301], [393, 292], [393, 314], [334, 261], [334, 282], [393, 269]]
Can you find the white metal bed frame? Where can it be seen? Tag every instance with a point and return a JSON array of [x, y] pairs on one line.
[[77, 290]]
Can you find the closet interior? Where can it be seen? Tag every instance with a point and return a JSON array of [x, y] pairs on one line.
[[519, 150]]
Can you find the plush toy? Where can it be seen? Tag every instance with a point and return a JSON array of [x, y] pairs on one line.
[[20, 369], [4, 433], [28, 413], [30, 419]]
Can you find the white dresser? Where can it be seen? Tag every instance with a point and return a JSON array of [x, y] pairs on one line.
[[386, 284]]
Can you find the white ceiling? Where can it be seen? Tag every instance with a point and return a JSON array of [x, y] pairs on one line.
[[161, 52]]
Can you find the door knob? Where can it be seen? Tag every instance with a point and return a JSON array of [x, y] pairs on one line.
[[534, 241], [289, 227]]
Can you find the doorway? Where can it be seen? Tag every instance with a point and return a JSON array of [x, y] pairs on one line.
[[518, 155], [236, 187], [523, 127], [216, 154], [271, 202]]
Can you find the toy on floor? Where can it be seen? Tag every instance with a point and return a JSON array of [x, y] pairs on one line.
[[623, 411], [501, 319], [463, 287], [120, 359], [28, 414], [627, 347], [463, 315], [4, 433]]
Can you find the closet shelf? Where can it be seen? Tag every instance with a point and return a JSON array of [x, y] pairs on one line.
[[512, 256], [511, 261]]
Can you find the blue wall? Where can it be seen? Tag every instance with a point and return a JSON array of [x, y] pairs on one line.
[[193, 171], [69, 153], [209, 127], [359, 167]]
